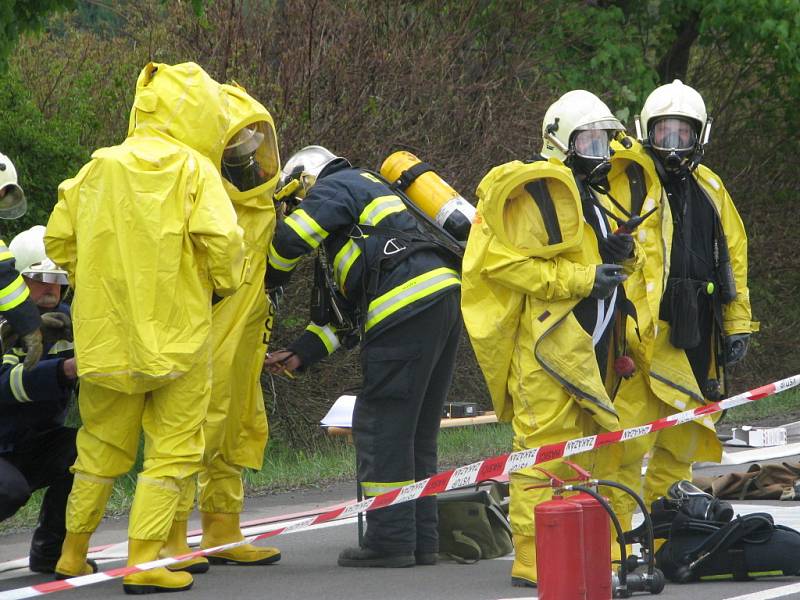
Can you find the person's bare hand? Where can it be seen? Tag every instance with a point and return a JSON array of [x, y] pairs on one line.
[[70, 368], [282, 362]]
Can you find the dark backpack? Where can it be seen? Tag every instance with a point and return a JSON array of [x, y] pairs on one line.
[[705, 541]]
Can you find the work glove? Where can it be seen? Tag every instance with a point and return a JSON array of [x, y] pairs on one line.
[[736, 348], [606, 280], [56, 326], [32, 343], [618, 246]]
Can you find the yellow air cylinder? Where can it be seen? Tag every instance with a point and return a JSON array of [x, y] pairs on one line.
[[431, 194]]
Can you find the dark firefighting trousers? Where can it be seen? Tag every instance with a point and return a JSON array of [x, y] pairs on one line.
[[407, 371], [38, 462]]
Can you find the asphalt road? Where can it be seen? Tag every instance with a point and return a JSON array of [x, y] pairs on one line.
[[308, 568]]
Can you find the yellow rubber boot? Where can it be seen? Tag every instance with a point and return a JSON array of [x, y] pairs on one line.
[[73, 561], [176, 545], [523, 571], [156, 580], [223, 528]]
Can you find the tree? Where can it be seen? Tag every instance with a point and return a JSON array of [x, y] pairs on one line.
[[20, 16]]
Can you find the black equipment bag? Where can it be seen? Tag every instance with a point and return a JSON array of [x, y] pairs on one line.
[[705, 542]]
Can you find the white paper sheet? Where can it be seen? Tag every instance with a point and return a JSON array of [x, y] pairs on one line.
[[341, 413]]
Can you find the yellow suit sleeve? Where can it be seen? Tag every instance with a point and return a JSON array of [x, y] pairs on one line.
[[548, 279], [60, 241], [213, 226], [737, 314]]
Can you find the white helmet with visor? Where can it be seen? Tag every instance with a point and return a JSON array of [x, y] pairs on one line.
[[31, 259]]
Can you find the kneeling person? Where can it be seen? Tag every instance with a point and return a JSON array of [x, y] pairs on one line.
[[36, 448]]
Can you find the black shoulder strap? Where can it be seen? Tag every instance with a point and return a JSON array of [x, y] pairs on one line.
[[541, 195], [635, 174]]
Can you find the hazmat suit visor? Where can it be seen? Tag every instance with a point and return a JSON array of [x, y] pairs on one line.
[[12, 202], [673, 134], [592, 140], [251, 157]]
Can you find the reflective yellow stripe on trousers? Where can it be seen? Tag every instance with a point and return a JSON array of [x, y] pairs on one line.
[[409, 292], [376, 488]]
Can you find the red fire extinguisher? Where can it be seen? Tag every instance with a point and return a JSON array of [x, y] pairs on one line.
[[597, 547], [559, 549], [573, 550]]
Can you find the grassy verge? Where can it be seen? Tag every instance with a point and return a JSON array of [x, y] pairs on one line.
[[332, 460], [780, 408]]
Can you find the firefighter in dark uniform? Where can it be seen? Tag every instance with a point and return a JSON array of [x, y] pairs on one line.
[[403, 297], [16, 306], [36, 448]]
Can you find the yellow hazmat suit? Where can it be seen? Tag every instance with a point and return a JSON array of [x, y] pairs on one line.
[[664, 383], [146, 232], [236, 426], [518, 295]]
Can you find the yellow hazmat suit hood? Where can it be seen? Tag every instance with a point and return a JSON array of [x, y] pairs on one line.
[[529, 259], [146, 232]]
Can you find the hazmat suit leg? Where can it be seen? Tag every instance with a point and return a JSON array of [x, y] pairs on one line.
[[176, 543], [636, 404], [172, 421], [674, 451], [236, 425], [107, 443], [544, 413]]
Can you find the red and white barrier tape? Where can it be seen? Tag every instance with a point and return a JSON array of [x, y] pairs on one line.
[[441, 482]]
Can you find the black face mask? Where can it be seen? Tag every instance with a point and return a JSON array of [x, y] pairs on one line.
[[594, 170], [245, 175], [674, 160]]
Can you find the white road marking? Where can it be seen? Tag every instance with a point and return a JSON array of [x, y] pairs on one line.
[[777, 592]]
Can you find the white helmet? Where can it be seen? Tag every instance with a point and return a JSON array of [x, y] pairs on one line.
[[680, 113], [306, 165], [577, 110], [12, 201], [31, 259]]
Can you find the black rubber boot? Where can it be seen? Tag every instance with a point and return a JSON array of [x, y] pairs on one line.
[[426, 558], [365, 557]]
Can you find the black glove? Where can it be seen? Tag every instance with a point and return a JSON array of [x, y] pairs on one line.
[[736, 348], [606, 280], [618, 246]]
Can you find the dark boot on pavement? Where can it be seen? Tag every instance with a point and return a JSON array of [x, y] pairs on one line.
[[366, 557]]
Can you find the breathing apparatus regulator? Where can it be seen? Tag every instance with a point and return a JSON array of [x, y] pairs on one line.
[[675, 125], [573, 554]]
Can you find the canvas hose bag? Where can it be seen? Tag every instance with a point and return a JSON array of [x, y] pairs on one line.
[[473, 523], [759, 482]]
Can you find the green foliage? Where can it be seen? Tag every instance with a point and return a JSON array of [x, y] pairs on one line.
[[45, 152], [621, 44], [20, 16]]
